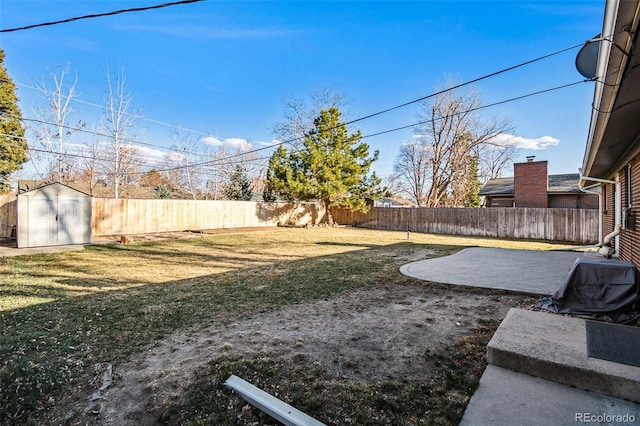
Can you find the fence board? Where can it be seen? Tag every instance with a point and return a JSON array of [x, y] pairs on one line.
[[8, 214], [130, 216], [564, 225]]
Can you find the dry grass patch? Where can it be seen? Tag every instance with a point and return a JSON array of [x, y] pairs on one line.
[[63, 313]]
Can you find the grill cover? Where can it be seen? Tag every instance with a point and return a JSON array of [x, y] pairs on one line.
[[598, 286]]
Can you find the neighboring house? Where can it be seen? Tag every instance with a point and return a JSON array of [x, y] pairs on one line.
[[393, 202], [531, 186], [611, 162]]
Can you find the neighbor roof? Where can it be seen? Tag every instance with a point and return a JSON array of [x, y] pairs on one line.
[[498, 186], [558, 184]]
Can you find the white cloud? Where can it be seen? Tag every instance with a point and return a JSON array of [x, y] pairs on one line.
[[273, 142], [150, 155], [239, 143], [210, 140], [243, 144], [526, 143]]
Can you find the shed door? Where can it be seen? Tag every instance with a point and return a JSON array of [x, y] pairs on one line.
[[55, 221], [70, 230], [43, 224]]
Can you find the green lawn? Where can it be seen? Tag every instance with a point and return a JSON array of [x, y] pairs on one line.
[[62, 313]]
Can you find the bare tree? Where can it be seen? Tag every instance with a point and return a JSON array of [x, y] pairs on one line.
[[121, 161], [494, 158], [53, 129], [435, 167], [412, 171], [299, 115], [90, 171], [186, 171]]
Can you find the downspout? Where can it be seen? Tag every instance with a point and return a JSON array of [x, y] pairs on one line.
[[587, 190], [617, 205]]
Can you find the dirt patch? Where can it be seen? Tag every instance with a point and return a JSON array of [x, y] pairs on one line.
[[368, 335]]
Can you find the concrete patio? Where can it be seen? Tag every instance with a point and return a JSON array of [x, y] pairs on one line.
[[538, 369], [525, 271]]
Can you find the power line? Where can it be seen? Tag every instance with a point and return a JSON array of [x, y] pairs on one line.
[[292, 140], [517, 98], [94, 133], [139, 117], [414, 124], [98, 15], [220, 161], [139, 155], [484, 77], [243, 154]]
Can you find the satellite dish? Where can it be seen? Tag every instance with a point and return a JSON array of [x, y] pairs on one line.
[[587, 59]]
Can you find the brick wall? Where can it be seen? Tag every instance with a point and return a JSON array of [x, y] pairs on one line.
[[530, 183], [629, 238], [573, 201]]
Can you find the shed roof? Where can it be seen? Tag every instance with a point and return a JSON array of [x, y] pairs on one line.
[[558, 184], [100, 190], [28, 188]]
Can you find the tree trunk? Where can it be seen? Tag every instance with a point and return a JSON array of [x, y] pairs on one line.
[[327, 208]]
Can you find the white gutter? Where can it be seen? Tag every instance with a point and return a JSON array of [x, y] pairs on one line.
[[596, 128], [617, 204]]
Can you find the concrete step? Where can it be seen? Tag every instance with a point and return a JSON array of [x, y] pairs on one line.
[[507, 398], [554, 348]]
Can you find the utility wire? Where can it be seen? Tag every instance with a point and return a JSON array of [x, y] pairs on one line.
[[410, 125], [98, 15], [517, 98], [220, 161], [94, 133], [136, 116], [484, 77], [420, 122], [289, 141]]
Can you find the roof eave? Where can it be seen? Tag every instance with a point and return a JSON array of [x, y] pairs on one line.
[[611, 61]]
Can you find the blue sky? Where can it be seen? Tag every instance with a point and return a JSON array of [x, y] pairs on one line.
[[225, 68]]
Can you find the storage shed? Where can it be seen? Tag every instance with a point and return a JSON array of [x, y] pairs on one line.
[[53, 214]]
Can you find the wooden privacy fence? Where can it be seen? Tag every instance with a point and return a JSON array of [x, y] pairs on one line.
[[131, 216], [566, 225], [8, 211]]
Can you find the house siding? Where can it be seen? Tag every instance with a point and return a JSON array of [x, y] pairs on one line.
[[499, 201]]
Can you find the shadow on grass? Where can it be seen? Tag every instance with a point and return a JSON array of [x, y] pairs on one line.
[[50, 347]]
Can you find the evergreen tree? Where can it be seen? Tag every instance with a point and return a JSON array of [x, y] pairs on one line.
[[282, 175], [13, 149], [473, 197], [331, 166], [163, 192], [239, 187]]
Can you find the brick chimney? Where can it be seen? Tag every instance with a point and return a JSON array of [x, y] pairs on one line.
[[530, 184]]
